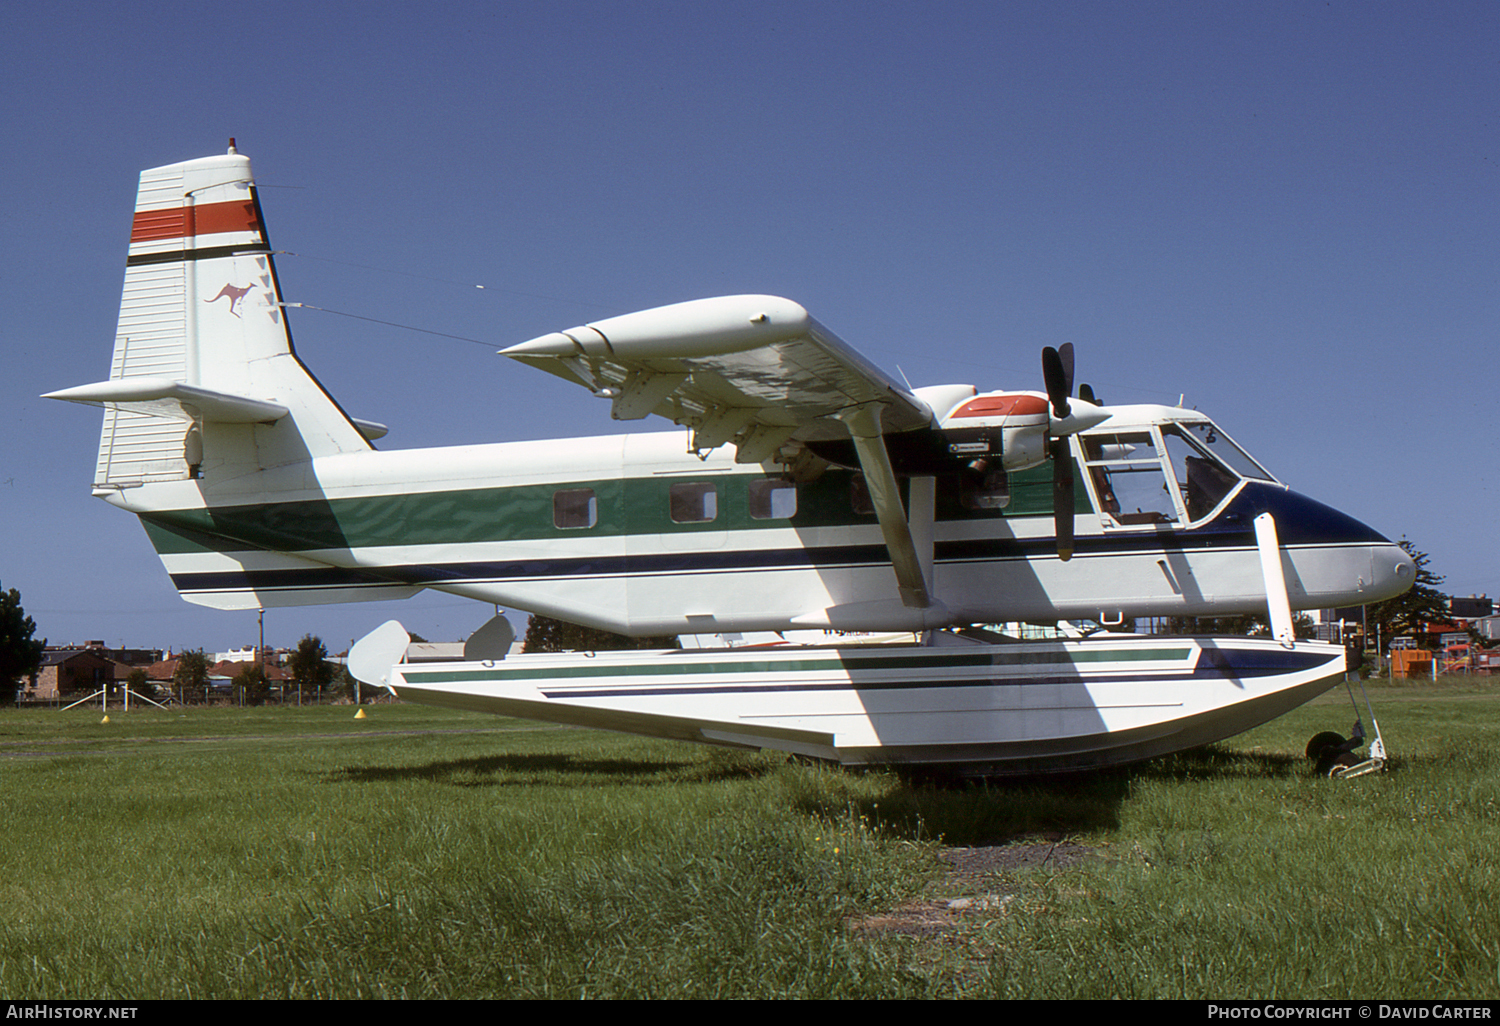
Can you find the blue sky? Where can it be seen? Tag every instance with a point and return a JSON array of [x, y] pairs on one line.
[[1285, 212]]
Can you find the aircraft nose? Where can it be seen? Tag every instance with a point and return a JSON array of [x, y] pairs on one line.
[[1392, 571]]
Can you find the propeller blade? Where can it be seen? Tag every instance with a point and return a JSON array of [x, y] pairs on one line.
[[1086, 393], [1062, 496], [1057, 373]]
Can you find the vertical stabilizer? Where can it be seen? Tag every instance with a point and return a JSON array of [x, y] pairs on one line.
[[202, 328]]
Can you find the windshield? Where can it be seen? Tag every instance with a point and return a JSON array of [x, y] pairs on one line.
[[1163, 476], [1204, 480], [1212, 440]]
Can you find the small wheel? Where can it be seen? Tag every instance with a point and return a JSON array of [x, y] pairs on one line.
[[1331, 762], [1327, 739]]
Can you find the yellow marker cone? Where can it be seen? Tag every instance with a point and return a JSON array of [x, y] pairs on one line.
[[358, 716], [106, 718]]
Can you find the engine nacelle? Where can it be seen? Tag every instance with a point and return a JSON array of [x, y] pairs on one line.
[[1008, 425], [998, 431]]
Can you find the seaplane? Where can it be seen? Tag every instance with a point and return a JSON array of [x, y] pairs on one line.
[[802, 489]]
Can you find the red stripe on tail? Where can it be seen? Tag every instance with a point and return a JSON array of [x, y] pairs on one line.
[[183, 222]]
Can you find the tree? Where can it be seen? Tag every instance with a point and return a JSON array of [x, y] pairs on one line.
[[310, 667], [546, 634], [20, 657], [1409, 611], [345, 685], [252, 685], [138, 683], [191, 676]]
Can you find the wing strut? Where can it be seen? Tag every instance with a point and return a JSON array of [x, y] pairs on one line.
[[863, 422], [1278, 603]]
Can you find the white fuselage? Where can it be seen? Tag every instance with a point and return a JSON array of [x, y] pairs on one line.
[[633, 534]]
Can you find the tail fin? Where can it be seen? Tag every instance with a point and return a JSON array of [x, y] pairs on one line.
[[204, 380]]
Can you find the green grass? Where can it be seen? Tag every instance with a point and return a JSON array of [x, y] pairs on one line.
[[1233, 873], [427, 853]]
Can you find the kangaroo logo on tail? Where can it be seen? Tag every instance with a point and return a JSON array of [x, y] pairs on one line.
[[234, 293]]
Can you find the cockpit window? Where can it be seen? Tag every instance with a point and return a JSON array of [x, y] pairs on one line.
[[1213, 441], [1204, 480], [1155, 476]]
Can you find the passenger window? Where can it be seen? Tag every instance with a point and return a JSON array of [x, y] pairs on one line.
[[694, 502], [574, 508], [772, 498]]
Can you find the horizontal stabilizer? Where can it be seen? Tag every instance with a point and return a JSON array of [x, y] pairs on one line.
[[163, 397], [372, 656], [370, 429]]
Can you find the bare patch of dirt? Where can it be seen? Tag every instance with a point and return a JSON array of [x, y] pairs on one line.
[[981, 884], [1060, 854]]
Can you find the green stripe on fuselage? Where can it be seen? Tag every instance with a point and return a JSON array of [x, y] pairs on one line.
[[626, 506]]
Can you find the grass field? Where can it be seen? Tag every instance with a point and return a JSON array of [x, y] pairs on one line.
[[217, 853]]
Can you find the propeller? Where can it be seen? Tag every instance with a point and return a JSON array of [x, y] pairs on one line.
[[1062, 496], [1057, 373]]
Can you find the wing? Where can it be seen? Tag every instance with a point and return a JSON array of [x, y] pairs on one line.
[[757, 371]]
